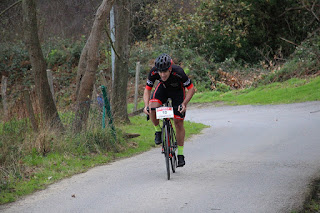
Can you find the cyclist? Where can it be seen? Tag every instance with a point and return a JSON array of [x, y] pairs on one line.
[[172, 83]]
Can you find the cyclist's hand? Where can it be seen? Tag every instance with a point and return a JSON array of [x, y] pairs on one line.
[[146, 110], [182, 108]]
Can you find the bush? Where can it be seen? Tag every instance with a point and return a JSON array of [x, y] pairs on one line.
[[222, 87], [218, 29], [303, 62], [63, 52], [15, 62], [99, 140]]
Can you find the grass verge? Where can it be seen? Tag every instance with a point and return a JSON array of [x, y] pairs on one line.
[[291, 91]]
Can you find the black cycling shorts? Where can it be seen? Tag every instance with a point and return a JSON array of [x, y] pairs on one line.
[[161, 95]]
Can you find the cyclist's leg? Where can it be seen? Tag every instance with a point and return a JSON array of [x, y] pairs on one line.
[[157, 98], [177, 99], [153, 112], [180, 131], [180, 134]]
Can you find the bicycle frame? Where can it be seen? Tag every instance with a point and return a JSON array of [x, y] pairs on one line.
[[169, 144], [169, 141]]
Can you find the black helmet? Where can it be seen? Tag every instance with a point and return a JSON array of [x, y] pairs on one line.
[[163, 62]]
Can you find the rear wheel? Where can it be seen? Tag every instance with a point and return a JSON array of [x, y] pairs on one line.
[[173, 162]]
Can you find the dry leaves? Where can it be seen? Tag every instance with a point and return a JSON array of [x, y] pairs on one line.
[[234, 80]]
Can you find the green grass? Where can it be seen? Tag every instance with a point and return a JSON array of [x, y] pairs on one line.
[[291, 91], [39, 170], [131, 106], [205, 97], [46, 170]]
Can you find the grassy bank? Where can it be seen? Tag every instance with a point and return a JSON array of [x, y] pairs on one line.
[[291, 91]]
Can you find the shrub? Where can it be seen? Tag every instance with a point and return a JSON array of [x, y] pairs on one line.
[[15, 62], [304, 61], [63, 52]]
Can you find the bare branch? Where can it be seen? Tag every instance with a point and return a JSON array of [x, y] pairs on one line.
[[304, 7], [14, 4], [311, 10], [290, 9], [263, 55], [289, 41], [314, 32], [107, 32]]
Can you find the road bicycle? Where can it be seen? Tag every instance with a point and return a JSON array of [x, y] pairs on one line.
[[169, 141]]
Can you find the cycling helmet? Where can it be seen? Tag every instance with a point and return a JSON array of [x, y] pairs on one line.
[[163, 62]]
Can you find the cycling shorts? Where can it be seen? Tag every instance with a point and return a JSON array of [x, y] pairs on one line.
[[161, 95]]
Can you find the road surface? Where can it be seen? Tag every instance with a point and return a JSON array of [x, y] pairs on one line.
[[251, 159]]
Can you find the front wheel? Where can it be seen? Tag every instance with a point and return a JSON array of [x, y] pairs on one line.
[[166, 150]]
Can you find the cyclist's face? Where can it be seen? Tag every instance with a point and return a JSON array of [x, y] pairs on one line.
[[165, 75]]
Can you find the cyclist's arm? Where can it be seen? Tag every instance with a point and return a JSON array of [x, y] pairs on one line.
[[146, 98], [189, 95], [147, 91]]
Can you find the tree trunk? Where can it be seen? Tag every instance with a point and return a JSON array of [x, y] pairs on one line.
[[82, 67], [49, 114], [119, 86], [28, 103], [88, 65]]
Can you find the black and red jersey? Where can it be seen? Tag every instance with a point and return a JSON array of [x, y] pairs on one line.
[[178, 79]]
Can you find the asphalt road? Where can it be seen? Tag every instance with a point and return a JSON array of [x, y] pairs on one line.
[[251, 159]]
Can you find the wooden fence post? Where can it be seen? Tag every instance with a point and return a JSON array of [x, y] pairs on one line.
[[4, 81], [136, 86], [28, 103]]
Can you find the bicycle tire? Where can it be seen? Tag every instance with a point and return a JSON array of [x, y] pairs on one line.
[[167, 150], [173, 161], [173, 157]]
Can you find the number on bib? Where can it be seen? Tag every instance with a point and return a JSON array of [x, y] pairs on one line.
[[164, 112]]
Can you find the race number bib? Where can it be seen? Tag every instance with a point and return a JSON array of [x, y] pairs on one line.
[[164, 112]]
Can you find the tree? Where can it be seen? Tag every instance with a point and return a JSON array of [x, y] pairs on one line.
[[88, 65], [49, 113], [119, 86], [240, 29]]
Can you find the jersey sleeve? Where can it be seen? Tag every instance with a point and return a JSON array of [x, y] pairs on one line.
[[151, 79], [186, 81]]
